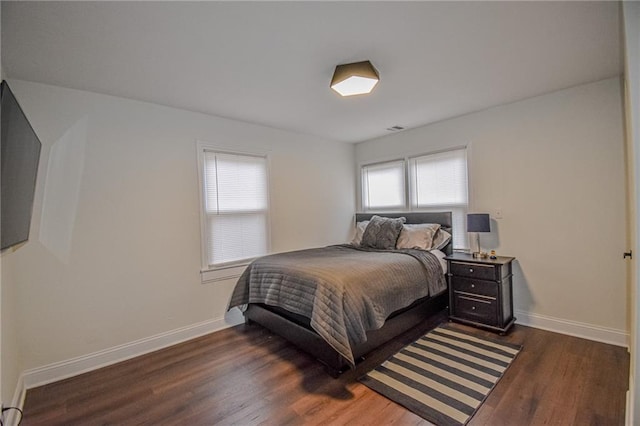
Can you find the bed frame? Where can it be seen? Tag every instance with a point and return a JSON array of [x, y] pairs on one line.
[[296, 328]]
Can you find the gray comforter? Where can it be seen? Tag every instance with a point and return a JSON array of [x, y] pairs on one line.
[[344, 290]]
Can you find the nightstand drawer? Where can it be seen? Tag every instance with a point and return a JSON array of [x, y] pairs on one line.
[[472, 270], [476, 309], [485, 288]]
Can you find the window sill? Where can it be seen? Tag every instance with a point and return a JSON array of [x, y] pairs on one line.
[[222, 273]]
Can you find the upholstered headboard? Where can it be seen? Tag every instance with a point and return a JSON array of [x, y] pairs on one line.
[[443, 218]]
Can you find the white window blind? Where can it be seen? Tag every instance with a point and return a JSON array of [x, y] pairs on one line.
[[438, 182], [383, 186], [236, 207]]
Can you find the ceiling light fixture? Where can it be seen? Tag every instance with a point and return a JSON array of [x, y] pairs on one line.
[[357, 78]]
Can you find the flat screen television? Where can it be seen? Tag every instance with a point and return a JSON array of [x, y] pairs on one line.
[[19, 158]]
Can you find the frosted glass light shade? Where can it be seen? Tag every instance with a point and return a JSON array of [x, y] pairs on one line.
[[358, 78]]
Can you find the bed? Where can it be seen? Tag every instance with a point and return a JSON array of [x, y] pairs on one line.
[[339, 303]]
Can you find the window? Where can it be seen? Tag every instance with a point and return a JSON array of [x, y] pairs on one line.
[[235, 207], [436, 182], [383, 186]]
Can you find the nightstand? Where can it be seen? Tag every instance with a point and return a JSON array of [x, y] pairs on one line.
[[480, 291]]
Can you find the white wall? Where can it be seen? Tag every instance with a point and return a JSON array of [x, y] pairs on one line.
[[3, 395], [631, 12], [114, 253], [9, 354], [555, 166]]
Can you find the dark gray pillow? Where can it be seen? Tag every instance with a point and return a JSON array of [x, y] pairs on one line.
[[382, 233]]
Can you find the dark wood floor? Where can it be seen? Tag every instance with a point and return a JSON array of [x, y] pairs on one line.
[[245, 375]]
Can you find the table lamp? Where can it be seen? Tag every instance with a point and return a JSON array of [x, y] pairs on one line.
[[478, 222]]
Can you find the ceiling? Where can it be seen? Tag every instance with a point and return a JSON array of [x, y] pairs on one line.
[[271, 62]]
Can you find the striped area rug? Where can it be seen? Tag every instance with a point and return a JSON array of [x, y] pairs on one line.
[[444, 376]]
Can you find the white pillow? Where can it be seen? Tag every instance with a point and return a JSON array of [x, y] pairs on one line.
[[360, 227], [418, 236], [440, 240]]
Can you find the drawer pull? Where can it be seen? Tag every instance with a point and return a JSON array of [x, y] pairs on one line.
[[473, 308], [474, 296], [473, 299], [473, 286], [471, 270]]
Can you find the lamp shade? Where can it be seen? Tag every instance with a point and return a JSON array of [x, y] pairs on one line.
[[354, 79], [478, 222]]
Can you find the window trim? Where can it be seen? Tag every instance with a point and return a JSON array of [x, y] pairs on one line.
[[234, 269], [404, 184], [411, 185]]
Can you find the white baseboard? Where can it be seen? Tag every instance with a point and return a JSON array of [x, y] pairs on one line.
[[82, 364], [573, 328]]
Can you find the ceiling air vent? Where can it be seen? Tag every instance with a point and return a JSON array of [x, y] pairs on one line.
[[395, 128]]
